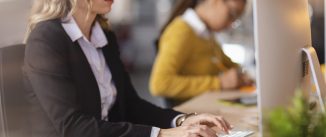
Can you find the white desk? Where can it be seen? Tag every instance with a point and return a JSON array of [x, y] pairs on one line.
[[241, 117]]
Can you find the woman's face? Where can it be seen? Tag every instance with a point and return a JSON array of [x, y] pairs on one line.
[[220, 14], [101, 6], [97, 6]]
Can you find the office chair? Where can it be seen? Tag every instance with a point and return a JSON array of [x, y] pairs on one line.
[[13, 102]]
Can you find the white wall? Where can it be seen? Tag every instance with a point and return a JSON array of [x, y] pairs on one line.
[[13, 22]]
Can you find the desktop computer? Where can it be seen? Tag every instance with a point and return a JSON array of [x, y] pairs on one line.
[[282, 39]]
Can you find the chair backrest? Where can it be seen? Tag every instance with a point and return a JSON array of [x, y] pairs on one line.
[[13, 102]]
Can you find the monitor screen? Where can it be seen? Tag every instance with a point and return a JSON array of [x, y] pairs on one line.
[[282, 29]]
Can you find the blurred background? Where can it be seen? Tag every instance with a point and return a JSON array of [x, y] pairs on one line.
[[137, 24]]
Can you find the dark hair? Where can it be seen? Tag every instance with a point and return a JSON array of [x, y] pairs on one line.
[[179, 9]]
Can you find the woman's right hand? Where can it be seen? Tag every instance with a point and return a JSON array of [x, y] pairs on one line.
[[230, 79], [188, 131]]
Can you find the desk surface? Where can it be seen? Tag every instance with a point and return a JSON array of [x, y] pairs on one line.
[[241, 117]]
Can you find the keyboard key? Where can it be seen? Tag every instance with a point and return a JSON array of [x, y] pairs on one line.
[[237, 134]]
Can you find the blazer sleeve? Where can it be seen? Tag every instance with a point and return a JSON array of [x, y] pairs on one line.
[[47, 72], [166, 79], [142, 112]]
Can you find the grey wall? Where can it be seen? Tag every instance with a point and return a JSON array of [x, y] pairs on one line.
[[13, 14]]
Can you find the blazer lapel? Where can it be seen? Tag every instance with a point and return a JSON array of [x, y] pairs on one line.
[[112, 59], [86, 81], [113, 64], [111, 54]]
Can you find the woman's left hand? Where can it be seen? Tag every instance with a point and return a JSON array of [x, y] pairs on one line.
[[245, 80], [208, 120]]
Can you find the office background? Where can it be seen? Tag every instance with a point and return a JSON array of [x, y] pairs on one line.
[[137, 24]]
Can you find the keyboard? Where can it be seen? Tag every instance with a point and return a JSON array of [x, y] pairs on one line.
[[237, 134]]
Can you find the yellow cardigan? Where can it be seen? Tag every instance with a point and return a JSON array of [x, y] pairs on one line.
[[184, 66]]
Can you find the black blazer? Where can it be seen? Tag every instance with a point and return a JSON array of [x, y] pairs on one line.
[[65, 97]]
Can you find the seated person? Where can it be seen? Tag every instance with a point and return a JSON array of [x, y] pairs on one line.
[[78, 86], [189, 60]]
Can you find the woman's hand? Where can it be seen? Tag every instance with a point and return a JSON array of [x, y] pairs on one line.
[[209, 120], [188, 131], [245, 80], [233, 79], [230, 79]]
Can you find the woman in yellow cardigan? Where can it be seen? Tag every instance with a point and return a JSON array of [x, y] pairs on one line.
[[189, 60]]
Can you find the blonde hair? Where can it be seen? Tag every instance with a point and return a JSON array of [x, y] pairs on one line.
[[43, 10]]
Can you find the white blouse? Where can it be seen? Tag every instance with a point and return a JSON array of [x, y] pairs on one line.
[[95, 57]]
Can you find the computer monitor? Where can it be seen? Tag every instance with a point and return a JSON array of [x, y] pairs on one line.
[[282, 30]]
